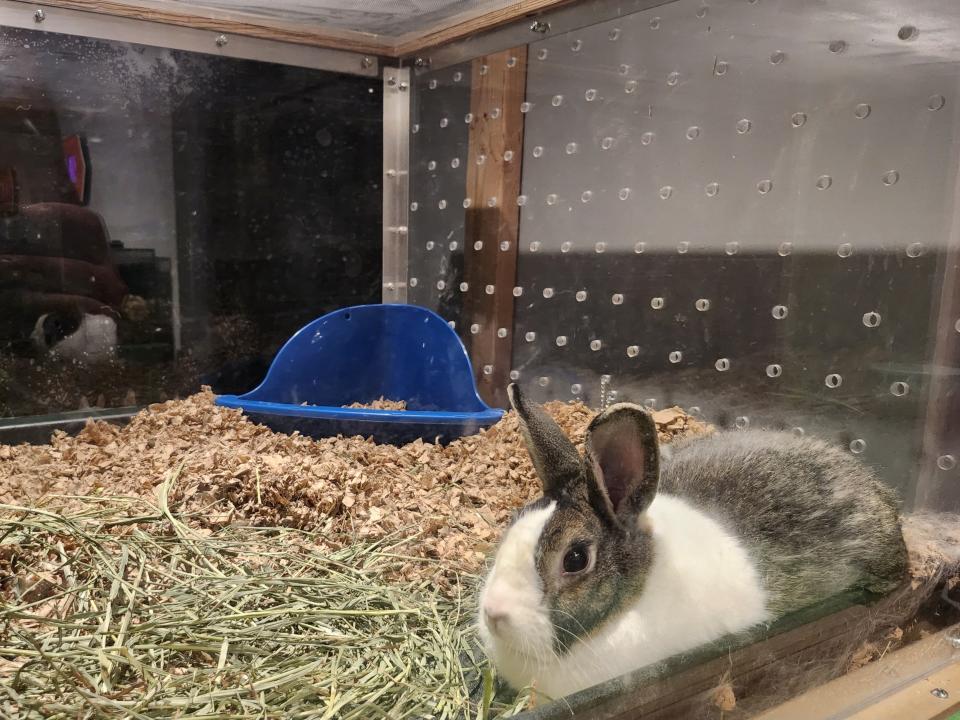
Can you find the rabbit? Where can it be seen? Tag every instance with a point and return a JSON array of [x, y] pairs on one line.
[[75, 335], [623, 563]]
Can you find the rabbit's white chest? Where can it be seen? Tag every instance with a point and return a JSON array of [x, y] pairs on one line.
[[701, 586]]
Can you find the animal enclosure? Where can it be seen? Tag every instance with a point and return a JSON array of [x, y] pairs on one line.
[[740, 214]]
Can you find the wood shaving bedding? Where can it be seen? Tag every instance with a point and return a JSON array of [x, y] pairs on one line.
[[380, 404], [231, 471]]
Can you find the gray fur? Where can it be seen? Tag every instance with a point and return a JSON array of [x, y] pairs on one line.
[[815, 519], [623, 459], [555, 458]]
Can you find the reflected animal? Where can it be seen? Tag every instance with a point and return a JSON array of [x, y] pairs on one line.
[[623, 563], [76, 335]]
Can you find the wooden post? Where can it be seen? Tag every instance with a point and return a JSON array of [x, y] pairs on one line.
[[493, 218]]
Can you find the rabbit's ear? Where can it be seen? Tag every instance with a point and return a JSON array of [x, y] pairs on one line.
[[555, 458], [624, 459]]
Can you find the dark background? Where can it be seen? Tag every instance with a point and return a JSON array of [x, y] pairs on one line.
[[234, 200]]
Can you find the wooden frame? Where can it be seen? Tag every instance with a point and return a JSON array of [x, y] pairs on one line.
[[491, 235], [454, 28], [472, 23]]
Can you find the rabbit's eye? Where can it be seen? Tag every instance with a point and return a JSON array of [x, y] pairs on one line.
[[576, 559]]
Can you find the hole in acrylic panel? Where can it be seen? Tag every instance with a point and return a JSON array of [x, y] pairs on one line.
[[908, 33], [899, 388]]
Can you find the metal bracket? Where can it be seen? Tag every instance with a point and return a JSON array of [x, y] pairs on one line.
[[396, 182]]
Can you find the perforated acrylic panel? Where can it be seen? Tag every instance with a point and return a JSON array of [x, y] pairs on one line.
[[743, 208], [439, 150]]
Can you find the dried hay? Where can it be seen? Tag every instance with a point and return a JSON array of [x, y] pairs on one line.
[[122, 610]]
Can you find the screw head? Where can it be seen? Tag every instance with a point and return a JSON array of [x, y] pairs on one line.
[[541, 27], [940, 693], [421, 62], [367, 62], [39, 15], [221, 40], [391, 81], [403, 86]]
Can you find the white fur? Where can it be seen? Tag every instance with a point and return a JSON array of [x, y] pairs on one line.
[[94, 340], [701, 586], [513, 585]]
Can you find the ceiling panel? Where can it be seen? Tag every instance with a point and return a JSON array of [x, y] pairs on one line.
[[390, 18]]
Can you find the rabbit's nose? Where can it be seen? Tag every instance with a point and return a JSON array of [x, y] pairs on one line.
[[497, 617]]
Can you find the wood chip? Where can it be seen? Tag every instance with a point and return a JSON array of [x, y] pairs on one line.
[[724, 698], [458, 497], [380, 404]]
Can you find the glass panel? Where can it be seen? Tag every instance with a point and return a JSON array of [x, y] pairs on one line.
[[169, 219]]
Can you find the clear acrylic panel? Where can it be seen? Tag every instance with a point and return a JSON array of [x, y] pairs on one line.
[[170, 219], [747, 209]]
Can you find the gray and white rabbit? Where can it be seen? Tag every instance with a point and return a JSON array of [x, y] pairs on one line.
[[623, 562]]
